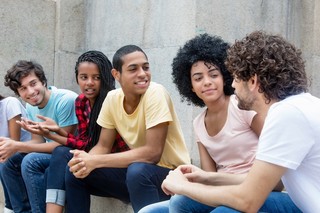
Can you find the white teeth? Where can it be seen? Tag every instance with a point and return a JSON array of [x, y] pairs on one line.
[[140, 83]]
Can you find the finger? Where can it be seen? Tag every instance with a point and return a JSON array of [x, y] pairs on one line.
[[76, 169], [75, 164], [42, 117]]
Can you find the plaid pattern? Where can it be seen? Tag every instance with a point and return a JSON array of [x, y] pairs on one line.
[[83, 110], [81, 140]]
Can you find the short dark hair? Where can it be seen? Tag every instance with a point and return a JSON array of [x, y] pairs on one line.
[[278, 64], [117, 61], [204, 47], [107, 83], [20, 70]]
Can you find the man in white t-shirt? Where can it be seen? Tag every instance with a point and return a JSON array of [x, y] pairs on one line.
[[270, 78]]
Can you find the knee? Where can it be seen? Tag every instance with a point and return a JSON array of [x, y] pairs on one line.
[[177, 201], [61, 151], [27, 161], [60, 154], [135, 172]]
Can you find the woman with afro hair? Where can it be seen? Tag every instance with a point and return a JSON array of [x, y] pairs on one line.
[[227, 137]]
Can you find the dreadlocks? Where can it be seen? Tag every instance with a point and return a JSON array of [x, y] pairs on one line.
[[107, 84]]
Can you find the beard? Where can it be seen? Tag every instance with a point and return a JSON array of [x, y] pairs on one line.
[[245, 104]]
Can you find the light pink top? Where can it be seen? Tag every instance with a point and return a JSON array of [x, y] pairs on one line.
[[233, 148]]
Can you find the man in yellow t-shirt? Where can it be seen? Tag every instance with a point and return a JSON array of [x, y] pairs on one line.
[[142, 112]]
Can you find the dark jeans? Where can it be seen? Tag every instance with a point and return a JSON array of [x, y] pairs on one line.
[[7, 202], [23, 178], [56, 175], [139, 184]]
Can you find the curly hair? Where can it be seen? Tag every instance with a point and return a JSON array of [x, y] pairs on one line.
[[107, 84], [204, 47], [278, 65], [20, 70]]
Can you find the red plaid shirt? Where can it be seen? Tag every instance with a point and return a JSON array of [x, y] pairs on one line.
[[81, 140]]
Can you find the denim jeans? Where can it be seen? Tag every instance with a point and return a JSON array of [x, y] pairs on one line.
[[277, 202], [13, 183], [24, 178], [56, 175], [7, 203], [139, 184], [33, 169]]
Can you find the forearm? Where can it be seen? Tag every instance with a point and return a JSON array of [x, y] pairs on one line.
[[123, 159], [62, 132], [27, 147], [216, 195], [62, 140], [219, 179]]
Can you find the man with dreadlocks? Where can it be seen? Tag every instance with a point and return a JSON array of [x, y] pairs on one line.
[[93, 75]]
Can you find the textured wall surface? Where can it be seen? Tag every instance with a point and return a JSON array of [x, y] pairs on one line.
[[56, 32]]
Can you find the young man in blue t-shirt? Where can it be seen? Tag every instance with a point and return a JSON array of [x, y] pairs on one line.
[[23, 173]]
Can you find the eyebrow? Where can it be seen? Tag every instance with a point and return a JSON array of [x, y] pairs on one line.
[[145, 63], [211, 70], [30, 82]]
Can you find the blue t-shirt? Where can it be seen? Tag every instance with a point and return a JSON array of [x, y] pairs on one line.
[[60, 108]]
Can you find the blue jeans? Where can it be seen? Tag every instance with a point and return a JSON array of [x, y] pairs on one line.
[[56, 175], [7, 202], [24, 178], [139, 184], [276, 202], [13, 183]]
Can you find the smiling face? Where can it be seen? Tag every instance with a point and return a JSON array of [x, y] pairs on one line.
[[33, 91], [89, 80], [135, 76], [207, 81]]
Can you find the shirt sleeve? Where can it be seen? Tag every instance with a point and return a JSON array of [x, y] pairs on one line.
[[158, 106], [286, 137], [13, 108], [81, 140], [66, 114]]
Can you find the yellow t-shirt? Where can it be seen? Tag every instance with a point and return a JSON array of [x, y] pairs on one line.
[[155, 107]]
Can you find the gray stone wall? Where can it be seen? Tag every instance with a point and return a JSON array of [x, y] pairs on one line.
[[56, 32]]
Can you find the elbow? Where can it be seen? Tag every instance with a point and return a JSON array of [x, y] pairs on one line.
[[244, 203], [153, 157], [248, 206]]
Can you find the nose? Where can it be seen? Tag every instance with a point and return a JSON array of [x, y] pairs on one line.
[[29, 90], [233, 82], [90, 81], [141, 72], [207, 80]]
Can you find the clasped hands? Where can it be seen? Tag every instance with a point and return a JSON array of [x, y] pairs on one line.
[[81, 164], [181, 177]]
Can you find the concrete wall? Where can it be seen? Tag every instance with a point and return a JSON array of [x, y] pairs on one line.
[[56, 32]]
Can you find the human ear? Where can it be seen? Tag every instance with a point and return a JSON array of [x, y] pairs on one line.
[[116, 74]]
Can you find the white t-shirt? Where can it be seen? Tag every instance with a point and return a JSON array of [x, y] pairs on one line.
[[233, 149], [291, 139], [10, 107]]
